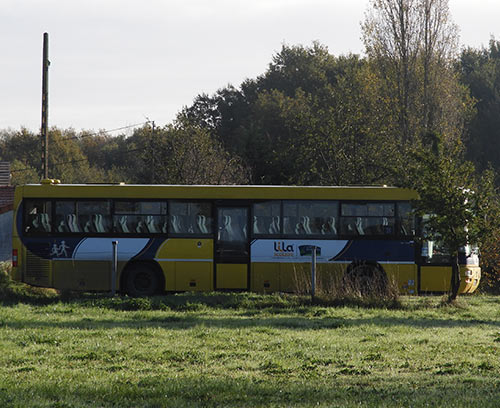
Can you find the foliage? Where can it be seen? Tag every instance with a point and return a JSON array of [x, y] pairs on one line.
[[311, 118], [480, 72], [490, 264], [179, 153], [411, 46], [462, 207], [11, 291]]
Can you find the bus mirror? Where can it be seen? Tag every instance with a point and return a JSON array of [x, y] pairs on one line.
[[427, 249]]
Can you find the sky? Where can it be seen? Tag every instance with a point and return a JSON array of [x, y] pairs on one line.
[[117, 63]]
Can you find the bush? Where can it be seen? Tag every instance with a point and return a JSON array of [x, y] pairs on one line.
[[4, 278], [366, 286], [16, 291], [490, 266]]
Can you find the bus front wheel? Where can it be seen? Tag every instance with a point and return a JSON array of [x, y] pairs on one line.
[[142, 280]]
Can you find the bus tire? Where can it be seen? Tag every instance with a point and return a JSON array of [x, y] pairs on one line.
[[366, 278], [142, 279]]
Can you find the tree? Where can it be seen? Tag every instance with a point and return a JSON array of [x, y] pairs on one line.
[[68, 158], [462, 207], [311, 118], [480, 71], [182, 153], [411, 45], [21, 148]]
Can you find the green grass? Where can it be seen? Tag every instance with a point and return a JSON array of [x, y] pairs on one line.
[[245, 350]]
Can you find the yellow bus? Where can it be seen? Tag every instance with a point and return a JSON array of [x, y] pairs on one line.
[[206, 238]]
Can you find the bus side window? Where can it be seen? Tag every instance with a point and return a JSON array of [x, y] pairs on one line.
[[406, 219], [94, 216], [303, 218], [368, 219], [190, 218], [139, 217], [38, 216], [66, 216], [266, 218]]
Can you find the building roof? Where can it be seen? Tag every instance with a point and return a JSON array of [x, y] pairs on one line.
[[4, 173], [6, 198]]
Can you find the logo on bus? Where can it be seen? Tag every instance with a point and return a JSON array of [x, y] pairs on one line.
[[281, 249], [59, 250]]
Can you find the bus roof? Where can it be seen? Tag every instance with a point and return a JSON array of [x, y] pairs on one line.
[[231, 192]]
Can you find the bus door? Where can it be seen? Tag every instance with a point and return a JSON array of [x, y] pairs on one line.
[[434, 269], [232, 248]]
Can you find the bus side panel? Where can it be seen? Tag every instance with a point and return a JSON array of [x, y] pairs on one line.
[[293, 277], [37, 271], [435, 278], [194, 276], [264, 277], [92, 275], [63, 276], [17, 246], [168, 269], [187, 263], [404, 276], [296, 277], [438, 279], [232, 276]]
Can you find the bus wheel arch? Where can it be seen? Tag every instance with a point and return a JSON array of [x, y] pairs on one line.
[[142, 278], [366, 277]]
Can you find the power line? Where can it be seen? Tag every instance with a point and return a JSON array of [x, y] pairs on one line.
[[75, 161], [89, 135], [105, 131]]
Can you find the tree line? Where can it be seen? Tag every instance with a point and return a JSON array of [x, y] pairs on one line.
[[414, 107], [311, 118]]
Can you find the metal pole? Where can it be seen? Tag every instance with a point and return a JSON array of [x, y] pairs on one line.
[[313, 272], [114, 268], [45, 106]]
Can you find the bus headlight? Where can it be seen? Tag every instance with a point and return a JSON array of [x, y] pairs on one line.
[[468, 273]]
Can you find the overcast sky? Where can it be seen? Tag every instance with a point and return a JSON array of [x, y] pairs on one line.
[[117, 62]]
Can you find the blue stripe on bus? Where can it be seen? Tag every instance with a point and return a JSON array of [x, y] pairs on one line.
[[378, 250]]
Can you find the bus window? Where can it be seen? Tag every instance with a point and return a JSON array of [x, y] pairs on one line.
[[406, 219], [310, 217], [190, 218], [266, 218], [140, 217], [37, 216], [93, 216], [368, 219], [433, 248], [66, 217]]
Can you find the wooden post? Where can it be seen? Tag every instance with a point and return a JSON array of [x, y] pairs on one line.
[[45, 107]]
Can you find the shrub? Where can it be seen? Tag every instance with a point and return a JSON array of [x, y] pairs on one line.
[[490, 266], [15, 291], [368, 287]]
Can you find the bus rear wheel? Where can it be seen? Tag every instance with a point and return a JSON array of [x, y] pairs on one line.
[[142, 280], [365, 279]]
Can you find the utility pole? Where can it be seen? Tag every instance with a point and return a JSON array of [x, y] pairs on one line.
[[153, 152], [45, 106]]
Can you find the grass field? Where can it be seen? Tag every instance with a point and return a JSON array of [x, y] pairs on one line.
[[245, 350]]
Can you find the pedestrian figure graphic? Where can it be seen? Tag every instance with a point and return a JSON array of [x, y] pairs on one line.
[[59, 250]]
